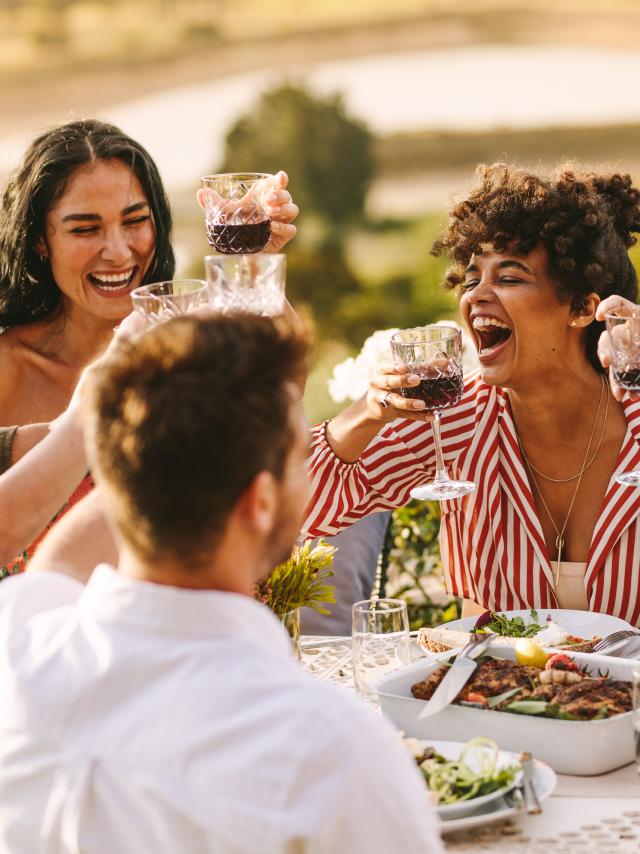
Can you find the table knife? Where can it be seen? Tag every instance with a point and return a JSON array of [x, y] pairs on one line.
[[456, 678]]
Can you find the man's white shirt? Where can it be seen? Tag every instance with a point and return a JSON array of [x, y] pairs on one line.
[[139, 718]]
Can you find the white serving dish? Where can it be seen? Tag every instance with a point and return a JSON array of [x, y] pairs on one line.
[[569, 747], [584, 624]]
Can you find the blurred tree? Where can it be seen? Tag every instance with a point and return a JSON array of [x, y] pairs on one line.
[[327, 154], [320, 279]]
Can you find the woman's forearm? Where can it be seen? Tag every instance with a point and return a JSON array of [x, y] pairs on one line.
[[352, 431], [34, 489]]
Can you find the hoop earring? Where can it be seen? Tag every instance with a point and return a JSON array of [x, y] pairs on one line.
[[43, 258]]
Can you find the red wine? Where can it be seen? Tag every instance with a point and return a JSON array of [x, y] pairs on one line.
[[437, 392], [628, 380], [237, 239]]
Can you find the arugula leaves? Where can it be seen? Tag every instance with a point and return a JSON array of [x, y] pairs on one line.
[[501, 625]]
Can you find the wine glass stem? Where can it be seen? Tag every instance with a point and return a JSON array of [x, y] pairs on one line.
[[441, 471]]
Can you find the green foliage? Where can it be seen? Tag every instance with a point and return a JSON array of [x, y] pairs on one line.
[[327, 154], [301, 580], [414, 569]]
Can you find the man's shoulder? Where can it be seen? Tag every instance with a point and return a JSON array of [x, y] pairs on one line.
[[25, 595]]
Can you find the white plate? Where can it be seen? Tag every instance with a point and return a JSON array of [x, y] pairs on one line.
[[583, 624], [452, 750], [544, 780]]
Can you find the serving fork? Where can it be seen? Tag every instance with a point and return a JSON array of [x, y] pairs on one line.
[[615, 640]]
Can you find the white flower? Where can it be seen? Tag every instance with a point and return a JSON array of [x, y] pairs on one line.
[[351, 378]]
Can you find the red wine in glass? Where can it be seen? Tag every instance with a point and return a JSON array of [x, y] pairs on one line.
[[628, 379], [238, 239], [437, 392]]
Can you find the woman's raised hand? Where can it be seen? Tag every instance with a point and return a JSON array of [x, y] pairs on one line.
[[604, 344], [282, 212], [384, 398], [280, 206]]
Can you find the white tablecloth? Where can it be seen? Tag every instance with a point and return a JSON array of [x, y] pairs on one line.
[[584, 814]]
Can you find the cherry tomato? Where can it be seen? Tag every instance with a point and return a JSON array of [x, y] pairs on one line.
[[559, 661]]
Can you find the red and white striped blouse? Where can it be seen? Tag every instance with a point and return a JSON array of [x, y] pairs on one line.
[[492, 544]]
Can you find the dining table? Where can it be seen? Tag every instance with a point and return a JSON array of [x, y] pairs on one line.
[[597, 813]]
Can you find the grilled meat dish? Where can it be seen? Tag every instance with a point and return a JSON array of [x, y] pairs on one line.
[[586, 699], [492, 676]]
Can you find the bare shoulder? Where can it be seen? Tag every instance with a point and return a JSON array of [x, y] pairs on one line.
[[33, 388]]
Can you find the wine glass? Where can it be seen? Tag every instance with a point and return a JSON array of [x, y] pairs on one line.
[[253, 283], [235, 211], [161, 301], [623, 326], [434, 353], [379, 641]]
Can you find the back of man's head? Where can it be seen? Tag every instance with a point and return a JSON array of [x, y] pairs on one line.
[[183, 418]]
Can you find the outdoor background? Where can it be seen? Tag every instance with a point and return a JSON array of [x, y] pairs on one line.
[[379, 110]]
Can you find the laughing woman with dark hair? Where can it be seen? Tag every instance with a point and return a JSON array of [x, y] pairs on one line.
[[84, 220], [537, 429]]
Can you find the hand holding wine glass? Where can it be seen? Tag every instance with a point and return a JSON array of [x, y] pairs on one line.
[[246, 213], [434, 355], [619, 345]]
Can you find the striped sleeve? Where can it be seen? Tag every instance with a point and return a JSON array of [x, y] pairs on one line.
[[400, 457]]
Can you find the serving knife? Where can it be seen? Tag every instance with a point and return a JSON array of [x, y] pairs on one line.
[[457, 677], [531, 802]]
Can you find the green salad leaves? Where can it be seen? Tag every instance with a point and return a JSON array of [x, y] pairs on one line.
[[515, 628], [473, 774]]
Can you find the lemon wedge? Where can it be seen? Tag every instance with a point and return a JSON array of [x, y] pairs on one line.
[[530, 654]]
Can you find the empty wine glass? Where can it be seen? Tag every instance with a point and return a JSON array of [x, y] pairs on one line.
[[380, 641], [434, 353], [161, 301], [253, 283], [235, 211], [623, 326]]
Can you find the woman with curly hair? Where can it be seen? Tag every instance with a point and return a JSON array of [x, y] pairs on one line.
[[537, 428]]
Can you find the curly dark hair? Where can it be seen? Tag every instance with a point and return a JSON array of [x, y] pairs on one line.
[[584, 220], [27, 287]]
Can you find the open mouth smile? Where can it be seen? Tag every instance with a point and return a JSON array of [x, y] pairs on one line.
[[491, 334], [113, 283]]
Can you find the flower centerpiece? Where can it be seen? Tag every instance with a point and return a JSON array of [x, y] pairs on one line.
[[300, 582]]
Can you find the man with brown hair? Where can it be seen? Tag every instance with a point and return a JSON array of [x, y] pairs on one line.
[[159, 708]]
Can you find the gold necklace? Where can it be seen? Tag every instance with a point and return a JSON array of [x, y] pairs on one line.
[[595, 453], [560, 542]]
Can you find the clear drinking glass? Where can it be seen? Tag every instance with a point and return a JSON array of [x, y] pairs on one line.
[[235, 212], [380, 641], [253, 283], [636, 713], [161, 301], [623, 326], [434, 353]]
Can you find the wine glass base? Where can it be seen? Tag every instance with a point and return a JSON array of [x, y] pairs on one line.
[[630, 478], [445, 489]]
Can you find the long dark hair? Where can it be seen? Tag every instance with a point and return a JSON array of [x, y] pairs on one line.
[[27, 287]]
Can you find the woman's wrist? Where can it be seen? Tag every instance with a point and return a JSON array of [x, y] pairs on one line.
[[352, 430]]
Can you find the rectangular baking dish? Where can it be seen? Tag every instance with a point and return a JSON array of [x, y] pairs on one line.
[[569, 747]]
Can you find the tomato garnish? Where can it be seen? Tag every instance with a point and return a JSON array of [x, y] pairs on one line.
[[559, 661], [474, 697]]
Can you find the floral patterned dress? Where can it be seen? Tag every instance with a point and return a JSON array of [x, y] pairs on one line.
[[19, 564]]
